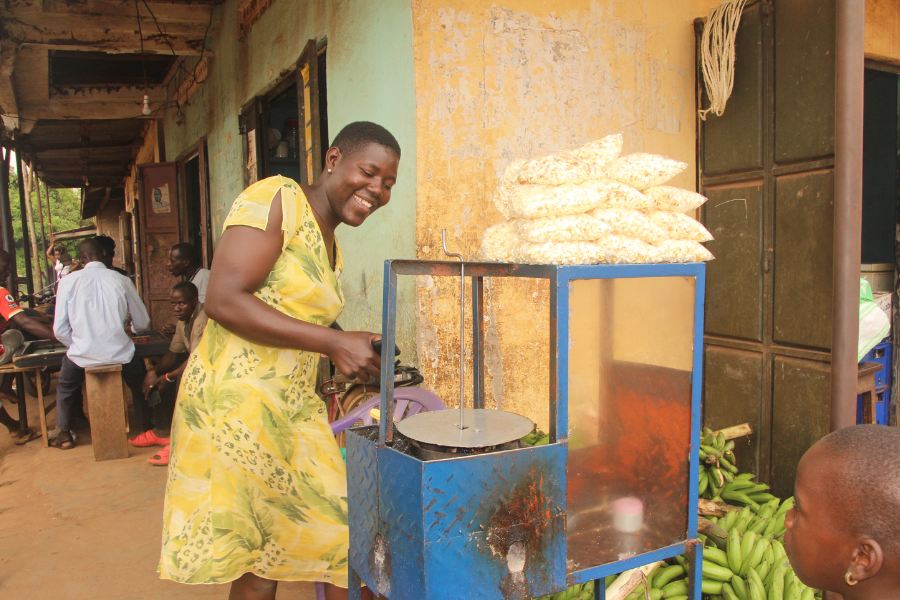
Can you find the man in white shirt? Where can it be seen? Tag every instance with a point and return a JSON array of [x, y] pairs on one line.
[[183, 262], [91, 305]]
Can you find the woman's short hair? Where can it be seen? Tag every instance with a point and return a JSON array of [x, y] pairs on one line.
[[362, 133]]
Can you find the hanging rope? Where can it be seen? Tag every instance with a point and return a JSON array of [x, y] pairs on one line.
[[717, 47]]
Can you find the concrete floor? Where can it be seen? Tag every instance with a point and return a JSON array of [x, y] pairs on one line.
[[77, 529]]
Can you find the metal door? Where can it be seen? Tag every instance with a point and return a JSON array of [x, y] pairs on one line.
[[158, 205], [767, 167]]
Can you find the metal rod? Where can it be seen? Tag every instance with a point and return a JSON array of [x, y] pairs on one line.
[[462, 327], [848, 164]]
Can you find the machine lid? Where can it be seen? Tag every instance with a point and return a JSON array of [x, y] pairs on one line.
[[483, 428]]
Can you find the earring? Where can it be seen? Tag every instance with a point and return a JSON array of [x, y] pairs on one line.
[[329, 170], [848, 579]]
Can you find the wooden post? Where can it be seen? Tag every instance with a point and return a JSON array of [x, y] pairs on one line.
[[6, 221], [49, 214], [105, 396], [26, 246], [40, 207], [37, 273]]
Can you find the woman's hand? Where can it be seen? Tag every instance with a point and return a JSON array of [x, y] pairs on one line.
[[352, 354]]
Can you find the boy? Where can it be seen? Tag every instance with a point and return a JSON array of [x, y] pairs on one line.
[[843, 533]]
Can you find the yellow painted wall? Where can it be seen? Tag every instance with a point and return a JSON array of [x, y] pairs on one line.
[[495, 82], [883, 30]]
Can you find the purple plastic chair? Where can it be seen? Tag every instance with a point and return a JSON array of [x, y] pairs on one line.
[[408, 401]]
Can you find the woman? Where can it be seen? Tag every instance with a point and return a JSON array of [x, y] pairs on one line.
[[257, 486], [843, 533]]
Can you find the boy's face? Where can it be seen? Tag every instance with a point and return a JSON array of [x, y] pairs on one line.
[[182, 306], [817, 545]]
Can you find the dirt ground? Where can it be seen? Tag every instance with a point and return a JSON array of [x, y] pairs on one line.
[[77, 529]]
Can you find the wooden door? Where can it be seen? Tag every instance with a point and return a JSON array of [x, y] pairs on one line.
[[311, 151], [251, 124], [159, 209], [767, 167]]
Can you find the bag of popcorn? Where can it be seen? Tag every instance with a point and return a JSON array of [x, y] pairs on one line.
[[498, 241], [641, 170], [600, 153], [612, 194], [682, 251], [618, 249], [557, 253], [629, 223], [679, 226], [533, 201], [505, 186], [564, 228], [666, 197], [555, 168]]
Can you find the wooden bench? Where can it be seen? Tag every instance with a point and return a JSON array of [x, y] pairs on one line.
[[19, 373], [105, 402]]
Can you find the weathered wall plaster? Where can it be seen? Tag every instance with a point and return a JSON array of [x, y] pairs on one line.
[[499, 81], [369, 77]]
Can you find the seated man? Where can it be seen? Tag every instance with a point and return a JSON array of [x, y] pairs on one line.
[[183, 262], [109, 253], [12, 315], [163, 378], [91, 306], [843, 534]]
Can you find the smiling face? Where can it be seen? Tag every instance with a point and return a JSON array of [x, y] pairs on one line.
[[360, 183], [816, 542]]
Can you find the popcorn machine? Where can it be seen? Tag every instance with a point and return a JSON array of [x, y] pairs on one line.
[[435, 518]]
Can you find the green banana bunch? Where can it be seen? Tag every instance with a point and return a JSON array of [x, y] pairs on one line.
[[536, 438], [717, 464], [579, 591]]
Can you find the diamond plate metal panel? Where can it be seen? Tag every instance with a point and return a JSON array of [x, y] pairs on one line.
[[362, 503], [463, 495], [400, 482]]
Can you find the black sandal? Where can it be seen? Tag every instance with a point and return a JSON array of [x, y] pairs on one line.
[[64, 441], [30, 434]]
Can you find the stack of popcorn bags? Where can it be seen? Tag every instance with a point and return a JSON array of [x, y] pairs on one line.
[[591, 206]]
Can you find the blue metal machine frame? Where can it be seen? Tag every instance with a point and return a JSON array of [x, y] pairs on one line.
[[391, 544]]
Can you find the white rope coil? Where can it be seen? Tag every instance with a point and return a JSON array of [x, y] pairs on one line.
[[717, 47]]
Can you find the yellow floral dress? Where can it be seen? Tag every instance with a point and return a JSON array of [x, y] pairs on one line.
[[256, 480]]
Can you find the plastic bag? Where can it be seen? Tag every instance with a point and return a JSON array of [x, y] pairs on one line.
[[618, 249], [682, 251], [557, 253], [505, 186], [555, 168], [630, 223], [874, 324], [498, 240], [666, 197], [612, 194], [533, 201], [600, 153], [679, 226], [564, 228], [641, 170]]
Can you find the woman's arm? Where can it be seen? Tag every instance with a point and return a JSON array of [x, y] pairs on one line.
[[244, 258]]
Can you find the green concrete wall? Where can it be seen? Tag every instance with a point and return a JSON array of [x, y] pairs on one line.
[[370, 76]]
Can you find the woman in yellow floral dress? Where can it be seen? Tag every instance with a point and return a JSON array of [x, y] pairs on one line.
[[257, 488]]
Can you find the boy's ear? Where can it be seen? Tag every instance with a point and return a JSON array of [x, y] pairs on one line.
[[866, 560]]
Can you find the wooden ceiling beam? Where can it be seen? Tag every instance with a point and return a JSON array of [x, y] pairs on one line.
[[59, 147]]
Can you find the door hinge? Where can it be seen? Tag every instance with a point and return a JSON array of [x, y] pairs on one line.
[[767, 260]]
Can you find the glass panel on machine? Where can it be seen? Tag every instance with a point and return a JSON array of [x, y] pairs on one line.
[[630, 363]]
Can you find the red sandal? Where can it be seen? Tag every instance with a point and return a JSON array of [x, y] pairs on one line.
[[161, 458]]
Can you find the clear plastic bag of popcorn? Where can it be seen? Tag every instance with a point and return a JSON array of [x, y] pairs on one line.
[[564, 228], [505, 186], [666, 197], [600, 153], [641, 170], [557, 253], [629, 223], [618, 250], [612, 194], [533, 201], [679, 226], [683, 251], [498, 241], [555, 168]]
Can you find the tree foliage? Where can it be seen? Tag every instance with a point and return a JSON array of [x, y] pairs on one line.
[[65, 210]]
